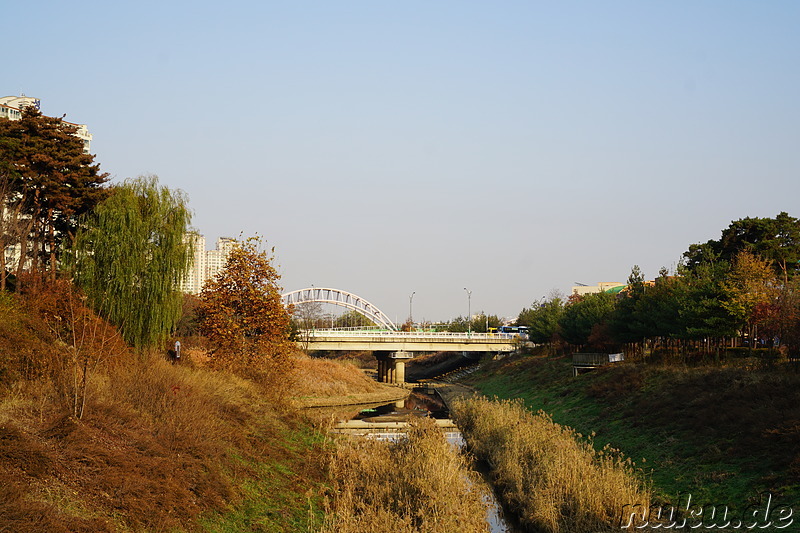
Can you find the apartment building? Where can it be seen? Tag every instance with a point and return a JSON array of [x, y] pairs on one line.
[[206, 263]]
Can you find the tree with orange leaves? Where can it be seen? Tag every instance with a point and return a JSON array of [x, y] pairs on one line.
[[241, 312], [752, 288]]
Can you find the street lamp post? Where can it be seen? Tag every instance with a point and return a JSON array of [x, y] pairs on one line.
[[410, 313], [469, 311]]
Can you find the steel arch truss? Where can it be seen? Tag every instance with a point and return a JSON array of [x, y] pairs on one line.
[[340, 298]]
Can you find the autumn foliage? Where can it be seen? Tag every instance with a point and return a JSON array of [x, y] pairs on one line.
[[241, 312]]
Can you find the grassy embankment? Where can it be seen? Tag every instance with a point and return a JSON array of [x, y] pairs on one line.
[[160, 447], [721, 434]]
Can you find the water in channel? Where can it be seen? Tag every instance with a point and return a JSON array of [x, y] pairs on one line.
[[385, 422]]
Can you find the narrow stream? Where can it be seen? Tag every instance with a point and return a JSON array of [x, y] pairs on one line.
[[424, 401]]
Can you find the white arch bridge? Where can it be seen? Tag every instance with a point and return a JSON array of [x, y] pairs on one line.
[[391, 346], [341, 298]]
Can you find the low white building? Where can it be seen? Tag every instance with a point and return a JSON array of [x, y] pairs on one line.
[[603, 286]]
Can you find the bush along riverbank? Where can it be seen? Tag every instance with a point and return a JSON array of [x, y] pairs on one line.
[[724, 436]]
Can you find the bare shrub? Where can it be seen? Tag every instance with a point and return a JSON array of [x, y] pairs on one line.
[[83, 340], [417, 485], [555, 480]]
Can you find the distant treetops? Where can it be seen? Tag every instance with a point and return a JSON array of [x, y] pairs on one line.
[[744, 284], [776, 240]]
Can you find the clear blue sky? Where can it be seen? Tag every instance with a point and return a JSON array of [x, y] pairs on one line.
[[389, 147]]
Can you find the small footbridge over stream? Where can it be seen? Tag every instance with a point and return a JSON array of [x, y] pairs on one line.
[[391, 346]]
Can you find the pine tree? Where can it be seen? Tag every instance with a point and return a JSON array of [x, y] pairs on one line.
[[52, 182]]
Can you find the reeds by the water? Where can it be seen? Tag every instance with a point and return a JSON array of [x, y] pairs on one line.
[[420, 484], [550, 475]]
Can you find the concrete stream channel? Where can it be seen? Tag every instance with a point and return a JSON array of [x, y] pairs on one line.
[[389, 422]]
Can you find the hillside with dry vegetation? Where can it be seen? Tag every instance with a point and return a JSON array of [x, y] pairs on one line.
[[157, 445]]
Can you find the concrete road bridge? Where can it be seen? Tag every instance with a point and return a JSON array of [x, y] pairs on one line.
[[391, 347], [356, 340]]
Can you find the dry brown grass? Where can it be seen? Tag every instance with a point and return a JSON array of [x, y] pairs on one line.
[[360, 359], [326, 377], [417, 485], [301, 376], [24, 343], [553, 478], [627, 379], [20, 514], [152, 450]]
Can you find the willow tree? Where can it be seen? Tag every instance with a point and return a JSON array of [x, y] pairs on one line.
[[129, 257]]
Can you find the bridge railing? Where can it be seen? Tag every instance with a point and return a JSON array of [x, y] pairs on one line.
[[440, 335], [596, 359]]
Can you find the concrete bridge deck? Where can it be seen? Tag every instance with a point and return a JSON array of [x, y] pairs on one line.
[[406, 341]]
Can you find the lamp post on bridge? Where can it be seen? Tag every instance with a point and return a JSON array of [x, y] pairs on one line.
[[469, 312], [410, 313]]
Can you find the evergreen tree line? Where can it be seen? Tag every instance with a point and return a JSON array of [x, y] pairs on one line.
[[741, 290]]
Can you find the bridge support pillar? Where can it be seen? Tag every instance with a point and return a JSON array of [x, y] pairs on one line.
[[399, 371], [383, 366], [392, 366]]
